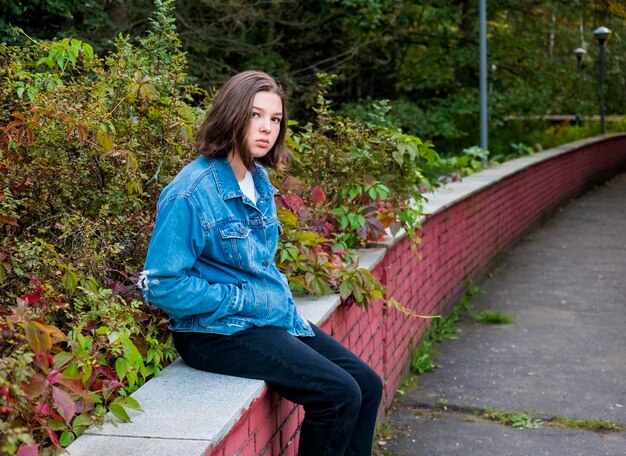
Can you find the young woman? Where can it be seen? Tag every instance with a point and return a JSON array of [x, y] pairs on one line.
[[210, 266]]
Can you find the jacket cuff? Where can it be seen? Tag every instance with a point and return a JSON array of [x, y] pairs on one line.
[[242, 297]]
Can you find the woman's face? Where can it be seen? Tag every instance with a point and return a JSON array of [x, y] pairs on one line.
[[267, 111]]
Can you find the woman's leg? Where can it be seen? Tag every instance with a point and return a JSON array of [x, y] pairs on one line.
[[370, 384], [330, 395]]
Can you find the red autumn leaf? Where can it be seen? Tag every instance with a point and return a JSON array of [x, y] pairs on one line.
[[28, 450], [43, 408], [36, 295], [317, 195], [54, 377], [21, 187], [296, 204], [64, 401], [31, 298], [54, 438], [74, 386]]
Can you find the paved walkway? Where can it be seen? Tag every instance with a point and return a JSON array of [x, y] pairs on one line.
[[564, 355]]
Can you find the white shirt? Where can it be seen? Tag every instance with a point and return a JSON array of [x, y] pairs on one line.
[[247, 187]]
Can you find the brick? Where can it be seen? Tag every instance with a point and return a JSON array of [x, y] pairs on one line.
[[263, 437], [290, 429]]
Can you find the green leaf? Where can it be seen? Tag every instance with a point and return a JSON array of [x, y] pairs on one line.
[[71, 371], [345, 289], [121, 368], [87, 50], [119, 412], [60, 59], [70, 280], [66, 438], [132, 378], [81, 421], [128, 402], [308, 238], [61, 359], [57, 425]]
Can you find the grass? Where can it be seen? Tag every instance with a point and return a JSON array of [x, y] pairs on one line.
[[588, 424], [494, 317], [528, 421], [422, 357], [514, 419]]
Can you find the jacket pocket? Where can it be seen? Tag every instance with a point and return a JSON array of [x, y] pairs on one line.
[[235, 244]]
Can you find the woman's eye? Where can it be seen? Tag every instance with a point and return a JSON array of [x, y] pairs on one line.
[[276, 119], [255, 115]]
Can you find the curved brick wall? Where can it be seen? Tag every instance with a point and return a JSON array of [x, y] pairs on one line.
[[465, 226], [459, 241]]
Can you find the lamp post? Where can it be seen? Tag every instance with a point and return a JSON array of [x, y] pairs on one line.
[[482, 20], [580, 52], [602, 34]]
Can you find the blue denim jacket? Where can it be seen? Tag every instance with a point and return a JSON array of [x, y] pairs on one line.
[[210, 264]]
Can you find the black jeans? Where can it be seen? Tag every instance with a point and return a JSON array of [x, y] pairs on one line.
[[340, 393]]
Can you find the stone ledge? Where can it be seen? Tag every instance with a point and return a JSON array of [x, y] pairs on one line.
[[454, 192]]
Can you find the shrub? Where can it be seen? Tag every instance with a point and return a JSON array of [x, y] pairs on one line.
[[352, 182], [86, 147]]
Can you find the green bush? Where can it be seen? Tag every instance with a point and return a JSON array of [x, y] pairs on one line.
[[86, 147]]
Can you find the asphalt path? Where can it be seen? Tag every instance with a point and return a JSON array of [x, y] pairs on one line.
[[564, 355]]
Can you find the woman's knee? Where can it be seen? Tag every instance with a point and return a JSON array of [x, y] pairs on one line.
[[369, 381], [372, 391], [348, 395]]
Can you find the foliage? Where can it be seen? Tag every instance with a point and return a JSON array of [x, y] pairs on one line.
[[589, 424], [422, 358], [441, 329], [494, 317], [314, 264], [352, 183], [529, 421], [514, 419], [96, 21], [84, 153], [363, 178]]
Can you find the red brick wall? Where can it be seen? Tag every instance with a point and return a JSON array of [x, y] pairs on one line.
[[458, 244]]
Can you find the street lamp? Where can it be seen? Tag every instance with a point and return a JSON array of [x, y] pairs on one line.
[[602, 34], [580, 52]]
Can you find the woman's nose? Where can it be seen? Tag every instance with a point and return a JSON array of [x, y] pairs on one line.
[[266, 125]]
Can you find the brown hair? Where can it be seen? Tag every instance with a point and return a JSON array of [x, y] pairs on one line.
[[225, 126]]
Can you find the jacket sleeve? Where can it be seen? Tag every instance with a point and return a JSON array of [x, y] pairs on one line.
[[177, 241]]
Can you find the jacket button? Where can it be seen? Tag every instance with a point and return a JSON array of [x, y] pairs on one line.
[[266, 263], [241, 230]]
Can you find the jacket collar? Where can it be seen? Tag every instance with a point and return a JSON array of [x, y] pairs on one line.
[[227, 184]]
